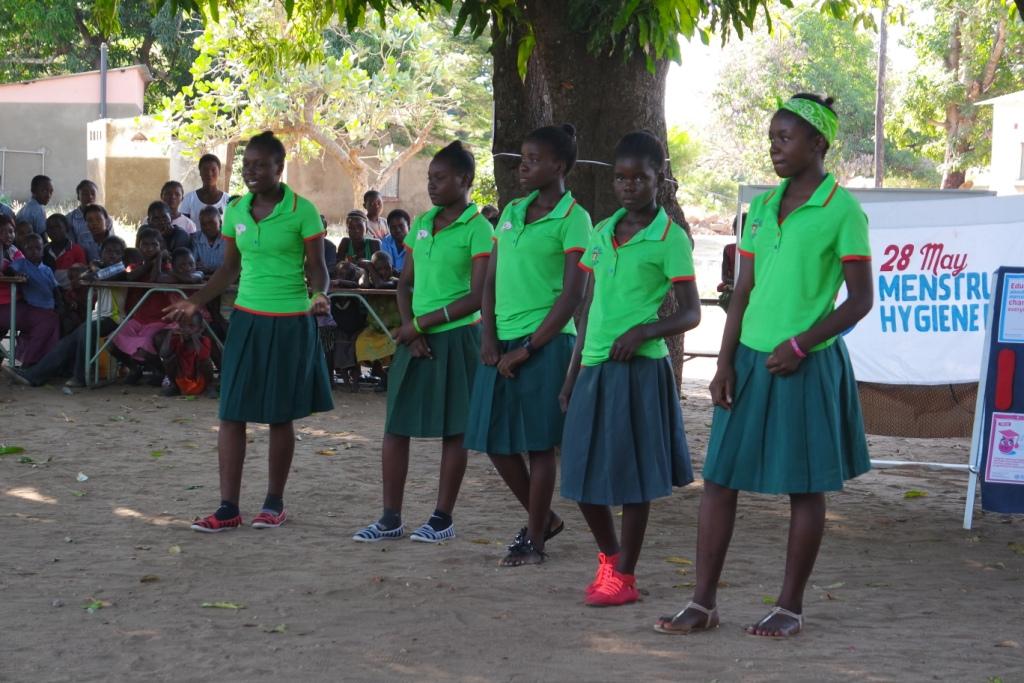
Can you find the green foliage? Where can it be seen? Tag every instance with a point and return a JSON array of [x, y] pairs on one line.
[[816, 54], [374, 98], [648, 27], [50, 37], [936, 113]]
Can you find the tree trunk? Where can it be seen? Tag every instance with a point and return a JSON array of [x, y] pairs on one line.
[[603, 96], [883, 39]]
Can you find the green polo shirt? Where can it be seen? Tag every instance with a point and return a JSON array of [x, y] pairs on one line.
[[531, 263], [443, 261], [798, 266], [273, 280], [630, 282]]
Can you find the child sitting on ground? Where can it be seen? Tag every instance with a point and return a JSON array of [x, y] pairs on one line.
[[37, 318], [185, 353]]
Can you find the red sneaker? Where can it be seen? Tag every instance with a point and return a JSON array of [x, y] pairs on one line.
[[268, 520], [616, 589], [212, 525], [605, 566]]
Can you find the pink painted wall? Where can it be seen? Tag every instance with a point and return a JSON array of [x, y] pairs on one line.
[[124, 86]]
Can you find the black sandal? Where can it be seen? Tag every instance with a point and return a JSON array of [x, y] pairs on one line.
[[523, 549], [548, 535]]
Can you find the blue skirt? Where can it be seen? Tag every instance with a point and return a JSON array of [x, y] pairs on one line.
[[797, 434], [624, 441], [520, 415]]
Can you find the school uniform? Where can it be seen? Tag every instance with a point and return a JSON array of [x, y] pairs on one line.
[[206, 253], [395, 251], [34, 213], [522, 414], [624, 441], [36, 316], [429, 397], [273, 367], [802, 433], [80, 234]]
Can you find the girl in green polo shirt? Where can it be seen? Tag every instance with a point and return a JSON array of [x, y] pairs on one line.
[[533, 287], [624, 442], [439, 344], [787, 417], [273, 368]]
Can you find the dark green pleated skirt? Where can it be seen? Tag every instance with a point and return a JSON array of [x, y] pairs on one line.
[[797, 434], [521, 414], [429, 397], [624, 440], [274, 369]]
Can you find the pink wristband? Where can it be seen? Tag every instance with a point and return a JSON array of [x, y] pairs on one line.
[[796, 348]]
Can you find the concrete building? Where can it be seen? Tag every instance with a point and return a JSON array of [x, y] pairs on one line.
[[130, 159], [45, 123], [1006, 172]]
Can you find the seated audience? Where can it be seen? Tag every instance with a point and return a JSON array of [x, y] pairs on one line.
[[98, 228], [185, 353], [22, 229], [394, 243], [33, 212], [61, 253], [207, 195], [380, 274], [208, 243], [68, 356], [491, 213], [172, 194], [350, 319], [80, 234], [171, 236], [357, 248], [37, 319], [137, 338]]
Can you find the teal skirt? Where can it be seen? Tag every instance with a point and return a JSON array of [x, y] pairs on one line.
[[273, 369], [797, 434], [624, 441], [519, 415], [429, 397]]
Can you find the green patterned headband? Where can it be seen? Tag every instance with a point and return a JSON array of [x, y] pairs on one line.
[[821, 117]]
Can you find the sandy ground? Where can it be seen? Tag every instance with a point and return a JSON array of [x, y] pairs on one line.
[[901, 592]]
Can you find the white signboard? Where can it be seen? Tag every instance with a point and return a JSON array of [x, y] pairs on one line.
[[933, 265]]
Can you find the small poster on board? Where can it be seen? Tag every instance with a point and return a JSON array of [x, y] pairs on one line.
[[1006, 449], [1011, 322]]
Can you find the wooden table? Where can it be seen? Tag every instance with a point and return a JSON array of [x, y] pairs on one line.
[[13, 281]]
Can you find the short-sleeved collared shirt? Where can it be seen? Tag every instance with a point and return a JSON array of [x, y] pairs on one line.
[[38, 291], [395, 251], [273, 280], [208, 255], [34, 213], [443, 261], [631, 281], [531, 263], [798, 266]]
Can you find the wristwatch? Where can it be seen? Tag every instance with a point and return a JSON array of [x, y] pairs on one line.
[[528, 345]]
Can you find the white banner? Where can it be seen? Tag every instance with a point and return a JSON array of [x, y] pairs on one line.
[[933, 265]]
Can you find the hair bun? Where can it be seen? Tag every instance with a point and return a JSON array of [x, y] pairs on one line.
[[829, 101], [455, 146], [569, 129]]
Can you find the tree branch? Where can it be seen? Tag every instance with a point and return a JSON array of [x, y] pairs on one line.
[[998, 47], [407, 153]]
